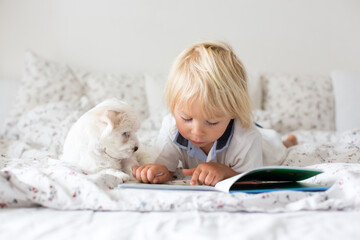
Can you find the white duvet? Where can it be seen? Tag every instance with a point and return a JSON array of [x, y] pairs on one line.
[[32, 174]]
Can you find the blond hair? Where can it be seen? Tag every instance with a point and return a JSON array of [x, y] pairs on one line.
[[210, 73]]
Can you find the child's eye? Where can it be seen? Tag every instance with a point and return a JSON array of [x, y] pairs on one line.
[[186, 119], [212, 123]]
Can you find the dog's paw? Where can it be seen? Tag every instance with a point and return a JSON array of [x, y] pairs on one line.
[[123, 177], [110, 178]]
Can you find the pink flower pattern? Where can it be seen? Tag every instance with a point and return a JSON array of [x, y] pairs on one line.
[[51, 99], [126, 87], [299, 102]]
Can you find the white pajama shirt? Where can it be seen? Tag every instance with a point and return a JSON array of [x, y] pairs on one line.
[[238, 148]]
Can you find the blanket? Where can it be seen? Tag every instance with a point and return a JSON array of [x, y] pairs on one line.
[[32, 174]]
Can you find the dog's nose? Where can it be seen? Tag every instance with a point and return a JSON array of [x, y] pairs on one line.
[[135, 148]]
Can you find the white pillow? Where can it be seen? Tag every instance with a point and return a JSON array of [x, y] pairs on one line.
[[347, 98], [43, 82], [127, 87], [302, 102], [47, 125], [268, 119], [46, 82]]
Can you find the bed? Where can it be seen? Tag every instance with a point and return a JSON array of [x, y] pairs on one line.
[[43, 198]]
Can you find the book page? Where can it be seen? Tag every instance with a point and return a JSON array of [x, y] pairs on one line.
[[171, 185], [270, 173], [225, 185]]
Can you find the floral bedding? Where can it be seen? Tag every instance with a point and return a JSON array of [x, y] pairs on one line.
[[31, 173], [53, 96]]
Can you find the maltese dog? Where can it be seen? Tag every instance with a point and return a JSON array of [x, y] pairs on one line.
[[103, 140]]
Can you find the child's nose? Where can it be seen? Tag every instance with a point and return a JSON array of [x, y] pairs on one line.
[[198, 129]]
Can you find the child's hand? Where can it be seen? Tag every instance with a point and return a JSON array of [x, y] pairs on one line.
[[152, 173], [209, 173]]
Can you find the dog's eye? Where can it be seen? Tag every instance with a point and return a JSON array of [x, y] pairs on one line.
[[126, 134]]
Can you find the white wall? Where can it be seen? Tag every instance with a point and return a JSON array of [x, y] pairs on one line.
[[292, 36]]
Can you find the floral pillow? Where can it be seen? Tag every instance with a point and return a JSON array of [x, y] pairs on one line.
[[46, 126], [42, 82], [267, 119], [129, 88], [45, 82], [301, 102]]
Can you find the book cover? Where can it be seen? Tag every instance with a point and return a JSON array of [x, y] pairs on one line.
[[262, 179]]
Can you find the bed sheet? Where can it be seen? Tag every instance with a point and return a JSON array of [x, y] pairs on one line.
[[32, 175], [42, 223]]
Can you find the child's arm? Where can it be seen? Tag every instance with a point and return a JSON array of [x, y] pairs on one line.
[[209, 173], [152, 173]]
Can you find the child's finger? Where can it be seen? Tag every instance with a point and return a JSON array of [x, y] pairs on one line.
[[152, 173], [202, 177], [195, 177], [160, 178], [149, 175], [138, 173], [143, 175], [188, 172], [209, 179], [134, 168], [216, 180]]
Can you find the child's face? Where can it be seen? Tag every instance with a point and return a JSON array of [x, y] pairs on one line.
[[197, 129]]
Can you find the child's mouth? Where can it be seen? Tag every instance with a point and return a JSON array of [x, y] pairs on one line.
[[197, 143]]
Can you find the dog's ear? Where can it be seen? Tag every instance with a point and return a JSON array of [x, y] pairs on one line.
[[108, 117]]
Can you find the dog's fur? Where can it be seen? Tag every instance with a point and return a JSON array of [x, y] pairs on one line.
[[103, 139]]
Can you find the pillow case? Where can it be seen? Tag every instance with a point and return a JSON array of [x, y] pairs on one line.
[[42, 82], [268, 119], [46, 126], [126, 87], [347, 97], [302, 102], [45, 81]]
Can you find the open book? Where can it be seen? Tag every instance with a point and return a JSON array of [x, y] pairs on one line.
[[263, 179]]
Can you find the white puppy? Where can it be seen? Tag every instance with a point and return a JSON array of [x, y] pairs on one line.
[[103, 139]]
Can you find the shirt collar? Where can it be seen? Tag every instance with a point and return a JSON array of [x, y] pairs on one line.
[[220, 144]]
